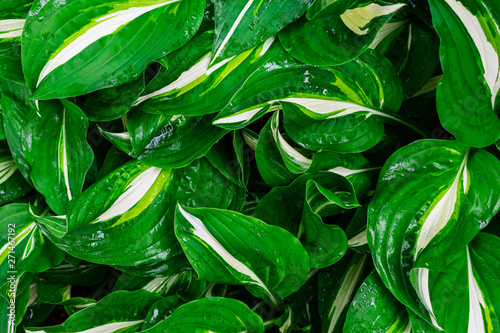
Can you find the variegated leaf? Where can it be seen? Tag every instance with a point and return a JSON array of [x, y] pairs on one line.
[[428, 220], [119, 311], [321, 41], [12, 183], [463, 296], [337, 286], [467, 95], [59, 130], [102, 44], [191, 85], [233, 20], [23, 248], [268, 260]]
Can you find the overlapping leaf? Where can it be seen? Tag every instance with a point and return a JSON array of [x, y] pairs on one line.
[[467, 95], [101, 44]]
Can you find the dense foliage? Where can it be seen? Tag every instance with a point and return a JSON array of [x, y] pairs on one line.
[[249, 166]]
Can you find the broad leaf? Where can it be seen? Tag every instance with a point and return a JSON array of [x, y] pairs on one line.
[[414, 54], [101, 44], [322, 105], [15, 110], [467, 95], [228, 156], [119, 311], [11, 29], [213, 314], [192, 86], [244, 24], [283, 205], [12, 183], [337, 286], [374, 309], [432, 198], [182, 140], [231, 248], [57, 151], [325, 243], [463, 295], [322, 40], [23, 247]]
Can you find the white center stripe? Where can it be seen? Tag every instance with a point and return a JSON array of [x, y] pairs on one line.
[[202, 232], [441, 213], [134, 193], [233, 28], [489, 57], [476, 301], [105, 26]]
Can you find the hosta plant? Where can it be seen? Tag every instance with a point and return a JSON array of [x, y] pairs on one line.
[[250, 166]]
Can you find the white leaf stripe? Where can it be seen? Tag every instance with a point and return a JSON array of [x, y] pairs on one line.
[[347, 172], [7, 169], [132, 195], [487, 52], [107, 328], [385, 31], [422, 288], [357, 18], [63, 155], [476, 301], [100, 27], [20, 235], [431, 85], [203, 234], [291, 153], [11, 28], [442, 211], [345, 292], [193, 73], [358, 240], [232, 29], [30, 246]]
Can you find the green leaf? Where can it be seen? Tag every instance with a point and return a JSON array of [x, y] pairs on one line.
[[414, 54], [467, 94], [143, 127], [321, 40], [228, 156], [57, 151], [374, 309], [353, 100], [270, 163], [231, 248], [15, 110], [103, 222], [114, 102], [463, 295], [182, 140], [22, 245], [337, 286], [101, 44], [192, 86], [432, 198], [242, 25], [136, 199], [160, 311], [215, 314], [119, 311], [12, 183], [184, 284], [325, 243], [283, 205]]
